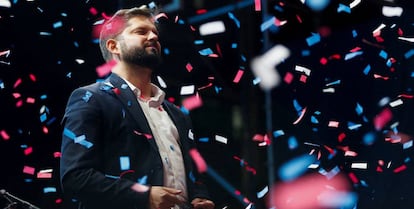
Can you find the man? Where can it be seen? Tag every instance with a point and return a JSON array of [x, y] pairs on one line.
[[123, 145]]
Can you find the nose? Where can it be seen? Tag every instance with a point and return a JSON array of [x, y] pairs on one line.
[[152, 36]]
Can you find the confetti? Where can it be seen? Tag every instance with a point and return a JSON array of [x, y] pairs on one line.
[[192, 102], [212, 28], [199, 161], [187, 90], [263, 66], [392, 11], [5, 3], [295, 167], [221, 139]]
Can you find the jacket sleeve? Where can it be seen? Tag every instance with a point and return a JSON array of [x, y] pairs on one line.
[[81, 151]]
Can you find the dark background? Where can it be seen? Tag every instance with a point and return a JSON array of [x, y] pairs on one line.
[[46, 68]]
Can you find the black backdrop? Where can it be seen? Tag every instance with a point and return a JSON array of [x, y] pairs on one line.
[[53, 51]]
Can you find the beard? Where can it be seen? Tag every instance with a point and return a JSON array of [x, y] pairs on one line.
[[139, 56]]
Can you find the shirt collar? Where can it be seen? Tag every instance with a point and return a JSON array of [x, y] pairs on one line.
[[154, 101]]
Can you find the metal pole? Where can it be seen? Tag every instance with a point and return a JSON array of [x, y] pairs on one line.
[[268, 112]]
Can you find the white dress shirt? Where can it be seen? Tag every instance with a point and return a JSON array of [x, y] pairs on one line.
[[166, 136]]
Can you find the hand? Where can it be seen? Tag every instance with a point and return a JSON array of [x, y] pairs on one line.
[[199, 203], [164, 197]]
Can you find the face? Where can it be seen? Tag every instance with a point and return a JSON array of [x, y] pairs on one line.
[[139, 43]]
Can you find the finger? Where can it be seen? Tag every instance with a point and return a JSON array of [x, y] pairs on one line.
[[174, 199], [172, 190]]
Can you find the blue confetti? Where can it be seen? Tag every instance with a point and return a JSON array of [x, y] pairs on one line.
[[409, 54], [313, 39], [49, 189], [267, 24], [43, 117], [203, 139], [143, 180], [352, 55], [354, 33], [124, 163], [236, 21], [344, 8], [278, 133], [205, 52], [305, 53], [293, 143], [367, 69], [57, 24], [295, 167], [87, 96], [369, 138], [314, 120], [359, 109], [383, 54], [198, 42]]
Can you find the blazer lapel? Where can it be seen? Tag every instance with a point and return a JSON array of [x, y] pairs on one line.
[[127, 97]]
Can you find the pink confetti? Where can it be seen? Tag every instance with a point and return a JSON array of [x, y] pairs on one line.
[[288, 78], [45, 130], [341, 137], [300, 116], [206, 86], [30, 100], [28, 170], [57, 154], [199, 161], [258, 138], [28, 151], [106, 68], [116, 91], [148, 136], [382, 118], [93, 11], [16, 95], [399, 169], [17, 83], [4, 135], [19, 103], [353, 177], [32, 77], [192, 102], [303, 78], [189, 67], [323, 61], [44, 175], [299, 19], [333, 124], [306, 192], [238, 76], [257, 5]]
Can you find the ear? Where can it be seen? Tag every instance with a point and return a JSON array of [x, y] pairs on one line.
[[112, 46]]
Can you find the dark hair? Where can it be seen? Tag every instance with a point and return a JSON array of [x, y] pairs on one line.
[[117, 23]]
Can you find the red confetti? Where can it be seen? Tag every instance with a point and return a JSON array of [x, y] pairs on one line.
[[192, 102], [32, 77], [288, 78], [238, 76], [382, 118], [199, 161], [17, 83], [399, 169], [189, 67], [28, 151], [4, 135], [28, 170], [323, 61]]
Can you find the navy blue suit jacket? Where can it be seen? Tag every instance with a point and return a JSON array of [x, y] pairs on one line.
[[107, 146]]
